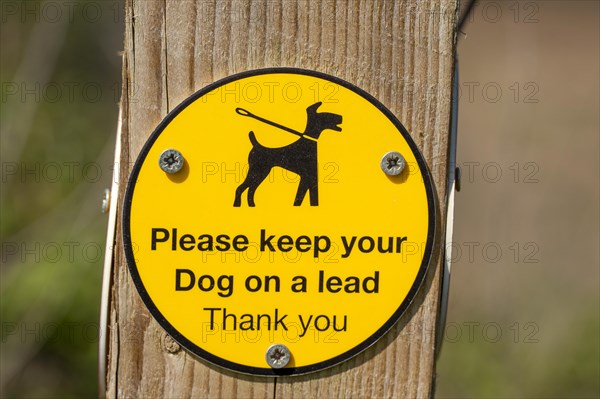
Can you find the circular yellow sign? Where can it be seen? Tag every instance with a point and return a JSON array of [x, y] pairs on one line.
[[293, 209]]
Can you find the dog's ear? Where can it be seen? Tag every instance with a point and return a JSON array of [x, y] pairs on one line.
[[313, 108]]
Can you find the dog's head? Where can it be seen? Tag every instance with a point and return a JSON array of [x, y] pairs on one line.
[[319, 121]]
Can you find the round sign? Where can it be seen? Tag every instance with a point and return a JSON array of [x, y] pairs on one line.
[[279, 221]]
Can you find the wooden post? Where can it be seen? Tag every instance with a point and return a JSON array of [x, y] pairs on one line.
[[402, 52]]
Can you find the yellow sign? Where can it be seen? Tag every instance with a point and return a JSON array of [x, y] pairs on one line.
[[279, 221]]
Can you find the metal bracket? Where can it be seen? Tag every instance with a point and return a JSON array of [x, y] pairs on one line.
[[452, 186], [108, 266]]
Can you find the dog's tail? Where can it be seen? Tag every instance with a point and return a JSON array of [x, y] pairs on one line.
[[253, 139]]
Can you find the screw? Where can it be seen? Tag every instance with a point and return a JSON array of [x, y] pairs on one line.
[[278, 356], [171, 161], [106, 201], [392, 163]]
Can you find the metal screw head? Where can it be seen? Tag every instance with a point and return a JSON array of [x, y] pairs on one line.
[[171, 161], [278, 356], [106, 201], [392, 163]]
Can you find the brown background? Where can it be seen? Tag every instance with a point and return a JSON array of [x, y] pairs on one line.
[[550, 130]]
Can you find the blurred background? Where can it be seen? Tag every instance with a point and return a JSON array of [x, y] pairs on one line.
[[524, 314], [61, 69], [524, 309]]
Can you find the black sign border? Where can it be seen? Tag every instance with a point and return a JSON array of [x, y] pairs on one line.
[[270, 372]]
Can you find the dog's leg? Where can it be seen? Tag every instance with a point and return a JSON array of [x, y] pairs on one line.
[[314, 194], [251, 192], [301, 193], [258, 176], [238, 193]]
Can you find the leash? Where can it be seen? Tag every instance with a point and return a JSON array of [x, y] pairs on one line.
[[249, 114]]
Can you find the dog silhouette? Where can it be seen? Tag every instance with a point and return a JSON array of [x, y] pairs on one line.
[[299, 157]]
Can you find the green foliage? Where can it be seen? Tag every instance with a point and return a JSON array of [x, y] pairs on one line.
[[60, 71]]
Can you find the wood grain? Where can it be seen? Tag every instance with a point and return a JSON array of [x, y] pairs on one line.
[[402, 52]]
